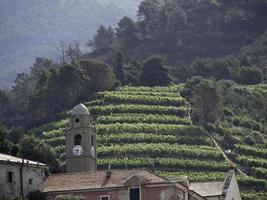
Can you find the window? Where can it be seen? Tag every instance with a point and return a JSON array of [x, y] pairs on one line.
[[92, 140], [135, 194], [30, 181], [77, 120], [10, 177], [105, 197], [77, 139]]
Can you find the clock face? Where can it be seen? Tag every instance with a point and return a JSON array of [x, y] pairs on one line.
[[77, 150]]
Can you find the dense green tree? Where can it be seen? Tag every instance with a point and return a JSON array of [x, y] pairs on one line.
[[40, 66], [53, 93], [132, 73], [5, 144], [51, 88], [22, 90], [127, 36], [68, 92], [154, 72], [208, 68], [148, 27], [20, 95], [250, 75], [256, 54], [102, 41], [73, 52], [189, 29], [6, 110], [147, 10], [35, 149], [101, 75], [180, 72]]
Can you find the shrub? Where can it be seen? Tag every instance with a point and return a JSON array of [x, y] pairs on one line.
[[227, 112], [229, 140], [34, 195], [249, 140], [12, 198], [154, 73], [250, 75]]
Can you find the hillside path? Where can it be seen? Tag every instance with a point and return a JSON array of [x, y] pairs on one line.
[[226, 158]]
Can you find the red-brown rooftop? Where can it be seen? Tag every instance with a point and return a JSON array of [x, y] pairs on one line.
[[95, 180]]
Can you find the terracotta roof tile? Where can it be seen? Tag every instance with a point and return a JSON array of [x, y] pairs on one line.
[[95, 180]]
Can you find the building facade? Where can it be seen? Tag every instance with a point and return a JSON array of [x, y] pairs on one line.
[[18, 177], [138, 184], [135, 184]]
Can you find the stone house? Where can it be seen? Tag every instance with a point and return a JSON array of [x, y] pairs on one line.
[[137, 184], [134, 184], [19, 176]]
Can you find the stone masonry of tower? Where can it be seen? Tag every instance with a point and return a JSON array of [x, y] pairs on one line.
[[81, 141]]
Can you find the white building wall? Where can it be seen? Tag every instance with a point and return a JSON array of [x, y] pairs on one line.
[[214, 198], [14, 189], [233, 192]]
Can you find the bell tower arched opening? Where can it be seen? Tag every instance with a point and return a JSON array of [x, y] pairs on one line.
[[77, 139]]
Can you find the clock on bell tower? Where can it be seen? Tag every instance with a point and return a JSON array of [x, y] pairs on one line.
[[80, 141]]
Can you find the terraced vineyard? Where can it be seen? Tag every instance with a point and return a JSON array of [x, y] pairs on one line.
[[149, 127], [249, 129]]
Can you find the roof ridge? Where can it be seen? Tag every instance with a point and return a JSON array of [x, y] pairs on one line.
[[206, 181], [19, 160], [103, 171]]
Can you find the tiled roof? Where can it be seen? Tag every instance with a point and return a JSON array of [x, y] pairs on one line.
[[206, 189], [95, 180], [15, 160]]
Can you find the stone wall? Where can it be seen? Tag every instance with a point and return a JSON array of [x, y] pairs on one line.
[[36, 174]]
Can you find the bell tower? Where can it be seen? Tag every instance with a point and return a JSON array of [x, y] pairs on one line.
[[80, 141]]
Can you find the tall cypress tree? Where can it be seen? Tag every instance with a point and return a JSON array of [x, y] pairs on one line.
[[118, 68]]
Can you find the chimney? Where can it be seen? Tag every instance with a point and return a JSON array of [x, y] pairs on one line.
[[108, 172]]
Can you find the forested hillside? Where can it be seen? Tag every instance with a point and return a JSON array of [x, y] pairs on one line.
[[215, 38], [185, 30], [30, 29]]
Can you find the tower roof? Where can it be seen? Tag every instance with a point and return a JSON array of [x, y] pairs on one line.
[[80, 109]]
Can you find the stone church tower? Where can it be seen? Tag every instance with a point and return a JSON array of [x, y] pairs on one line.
[[80, 141]]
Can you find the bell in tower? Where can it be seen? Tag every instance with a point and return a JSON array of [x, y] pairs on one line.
[[80, 141]]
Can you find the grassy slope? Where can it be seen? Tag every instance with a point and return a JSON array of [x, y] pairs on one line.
[[148, 127]]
